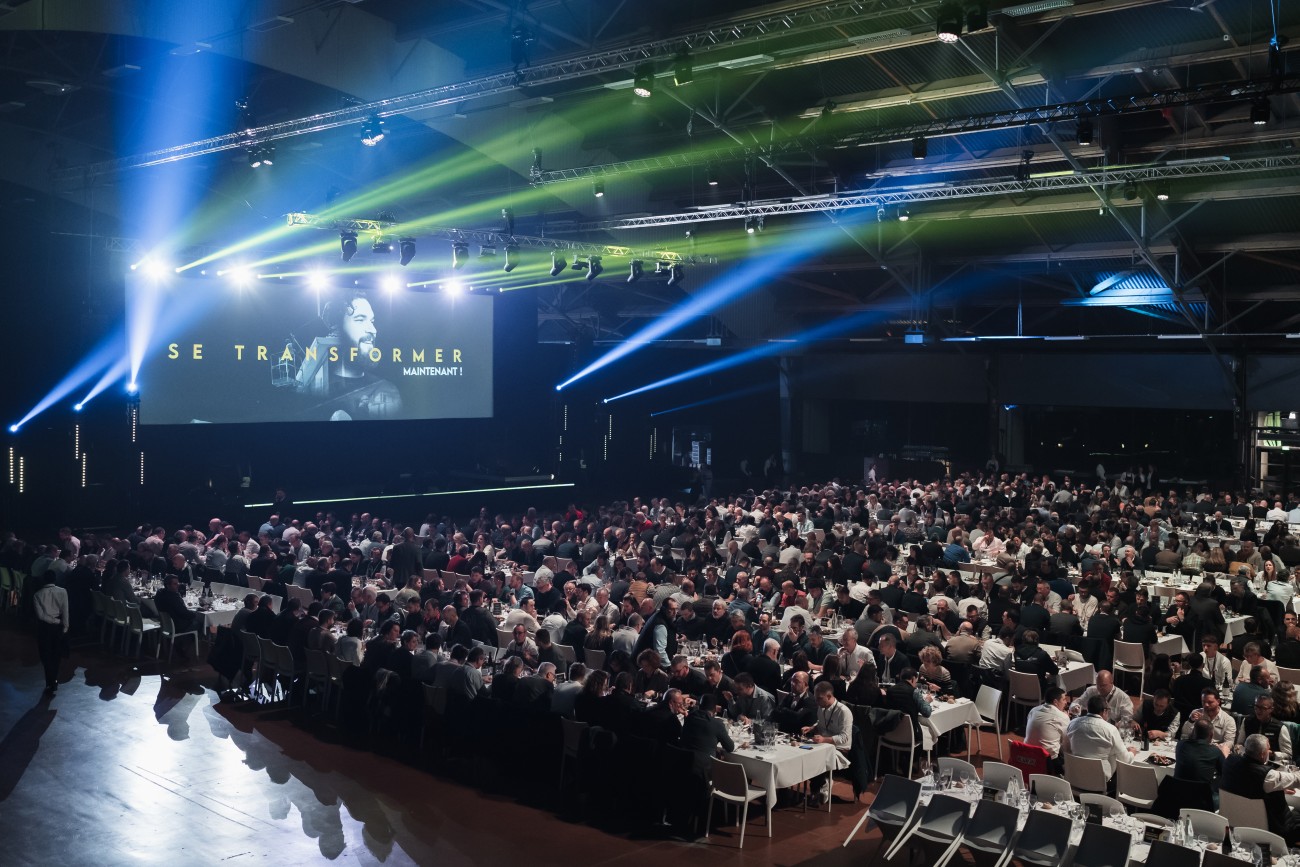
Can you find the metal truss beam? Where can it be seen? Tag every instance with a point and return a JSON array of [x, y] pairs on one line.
[[1240, 91], [705, 44], [488, 239], [886, 197]]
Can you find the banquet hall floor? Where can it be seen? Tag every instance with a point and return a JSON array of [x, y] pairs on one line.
[[130, 764]]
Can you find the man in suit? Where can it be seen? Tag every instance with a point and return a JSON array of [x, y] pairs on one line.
[[169, 601], [1104, 627], [662, 722], [1204, 613], [1064, 625], [703, 733], [535, 691], [906, 697], [795, 710], [890, 663], [764, 668]]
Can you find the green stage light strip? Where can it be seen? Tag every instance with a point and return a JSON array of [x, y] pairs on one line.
[[411, 496]]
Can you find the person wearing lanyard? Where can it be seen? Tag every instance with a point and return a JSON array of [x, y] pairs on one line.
[[51, 604]]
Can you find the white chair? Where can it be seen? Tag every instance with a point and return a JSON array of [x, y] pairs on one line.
[[504, 636], [1242, 812], [318, 675], [302, 594], [1257, 835], [1153, 819], [1108, 804], [960, 770], [901, 740], [1289, 675], [730, 783], [943, 821], [1136, 785], [1046, 787], [1131, 658], [139, 628], [998, 775], [1205, 823], [990, 830], [892, 808], [595, 659], [1086, 775], [1026, 690], [167, 632], [987, 703], [566, 656]]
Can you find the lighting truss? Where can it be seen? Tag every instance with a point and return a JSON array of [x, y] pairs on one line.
[[490, 239], [1045, 114], [886, 197], [713, 41]]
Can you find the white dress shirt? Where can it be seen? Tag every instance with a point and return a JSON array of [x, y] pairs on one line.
[[1243, 675], [51, 605], [1091, 737], [1046, 728], [1225, 727]]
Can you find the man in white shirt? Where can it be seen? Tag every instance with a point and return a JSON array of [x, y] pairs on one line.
[[1091, 736], [1277, 513], [1253, 658], [1218, 668], [853, 655], [1047, 724], [1118, 704], [1224, 726], [52, 621]]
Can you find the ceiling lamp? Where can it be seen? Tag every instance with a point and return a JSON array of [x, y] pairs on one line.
[[558, 264], [1083, 133], [594, 268], [260, 155], [751, 225], [406, 251], [904, 215], [512, 257], [711, 174], [920, 148], [459, 254], [634, 273], [643, 80], [1260, 111], [947, 23], [348, 243], [1162, 191], [372, 131], [598, 189]]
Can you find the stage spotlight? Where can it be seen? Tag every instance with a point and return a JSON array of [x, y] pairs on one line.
[[904, 215], [643, 80], [683, 69], [317, 280], [381, 247], [254, 157], [947, 23], [594, 268], [1162, 191], [348, 243], [76, 407], [459, 254], [1083, 133], [391, 285], [512, 258], [154, 269], [711, 174], [487, 251], [598, 189], [676, 274], [558, 264], [261, 155], [13, 428], [132, 387], [453, 287], [634, 273], [240, 275], [1260, 111], [1130, 191], [751, 225], [406, 251], [372, 131], [920, 148]]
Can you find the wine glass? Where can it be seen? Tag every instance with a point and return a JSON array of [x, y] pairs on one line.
[[1059, 800]]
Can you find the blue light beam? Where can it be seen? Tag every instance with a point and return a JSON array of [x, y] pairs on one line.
[[98, 359], [812, 335], [719, 398]]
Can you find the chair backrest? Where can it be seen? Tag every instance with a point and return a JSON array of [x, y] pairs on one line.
[[302, 594], [1026, 687], [595, 659], [1047, 787], [1171, 855], [248, 641], [1108, 804], [1218, 859], [1030, 759], [1101, 846], [564, 653], [1212, 825], [574, 732], [999, 775], [168, 625], [987, 701], [1130, 654], [317, 664], [1087, 774], [505, 636], [1242, 812], [135, 617], [902, 734], [269, 656], [98, 602], [1174, 794], [1289, 675], [1046, 836], [896, 800], [960, 769], [1258, 836], [338, 666], [117, 609], [992, 826], [1153, 819], [945, 817], [729, 778]]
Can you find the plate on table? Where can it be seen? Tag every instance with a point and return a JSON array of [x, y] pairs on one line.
[[1162, 761]]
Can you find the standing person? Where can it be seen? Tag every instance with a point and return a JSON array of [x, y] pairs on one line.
[[52, 619]]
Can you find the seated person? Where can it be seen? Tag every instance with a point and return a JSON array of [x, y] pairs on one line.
[[750, 703], [1249, 776]]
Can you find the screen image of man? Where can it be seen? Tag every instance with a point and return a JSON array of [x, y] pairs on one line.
[[343, 372]]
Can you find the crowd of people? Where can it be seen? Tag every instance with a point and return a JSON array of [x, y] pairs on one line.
[[602, 607]]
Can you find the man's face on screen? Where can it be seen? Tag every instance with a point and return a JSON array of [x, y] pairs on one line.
[[359, 325]]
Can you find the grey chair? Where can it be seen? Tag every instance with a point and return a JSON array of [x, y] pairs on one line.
[[892, 809], [1044, 839], [1103, 847]]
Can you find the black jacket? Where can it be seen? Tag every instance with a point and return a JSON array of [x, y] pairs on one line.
[[702, 735]]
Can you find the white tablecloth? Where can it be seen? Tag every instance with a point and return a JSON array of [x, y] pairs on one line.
[[1170, 644], [780, 766], [945, 717], [1076, 675]]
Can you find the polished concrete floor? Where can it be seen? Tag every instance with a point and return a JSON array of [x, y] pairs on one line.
[[130, 764]]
